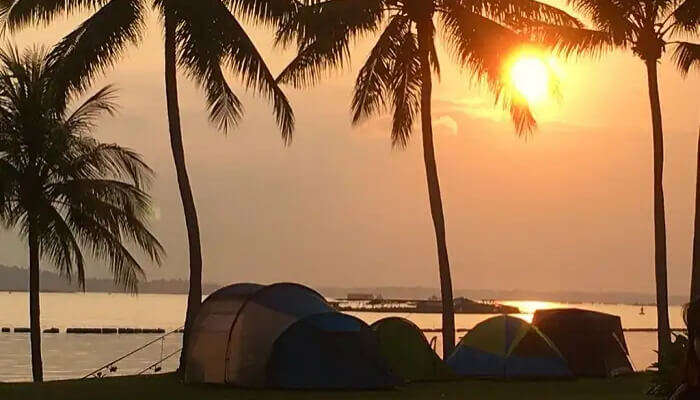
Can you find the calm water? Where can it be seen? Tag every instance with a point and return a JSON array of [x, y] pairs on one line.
[[73, 356]]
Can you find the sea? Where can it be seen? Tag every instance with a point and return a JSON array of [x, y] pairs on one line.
[[71, 356]]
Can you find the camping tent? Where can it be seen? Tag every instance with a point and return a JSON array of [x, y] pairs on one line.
[[407, 352], [507, 347], [283, 335], [593, 343]]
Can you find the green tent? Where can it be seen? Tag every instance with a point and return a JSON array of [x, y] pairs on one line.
[[407, 351]]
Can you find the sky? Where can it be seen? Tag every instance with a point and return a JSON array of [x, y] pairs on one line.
[[567, 208]]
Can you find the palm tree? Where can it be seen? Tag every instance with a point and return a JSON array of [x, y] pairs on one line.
[[648, 28], [695, 279], [398, 72], [61, 189], [203, 37]]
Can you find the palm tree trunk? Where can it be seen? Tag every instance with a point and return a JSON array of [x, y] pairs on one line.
[[425, 33], [664, 329], [695, 280], [34, 309], [194, 298]]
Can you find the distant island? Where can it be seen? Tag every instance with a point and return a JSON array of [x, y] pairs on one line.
[[15, 279], [488, 295]]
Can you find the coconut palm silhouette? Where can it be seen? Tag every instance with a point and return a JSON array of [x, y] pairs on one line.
[[398, 73], [202, 37], [62, 190], [647, 28], [695, 279]]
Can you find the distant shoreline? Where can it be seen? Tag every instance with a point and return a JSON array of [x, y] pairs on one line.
[[15, 279], [572, 303]]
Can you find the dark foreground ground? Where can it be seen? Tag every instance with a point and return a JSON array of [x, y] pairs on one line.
[[167, 387]]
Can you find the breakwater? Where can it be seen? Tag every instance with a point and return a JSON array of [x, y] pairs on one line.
[[631, 330], [136, 331], [91, 330]]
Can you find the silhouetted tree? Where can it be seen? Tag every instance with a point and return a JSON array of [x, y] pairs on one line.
[[61, 189], [399, 70], [202, 37], [646, 27], [695, 279]]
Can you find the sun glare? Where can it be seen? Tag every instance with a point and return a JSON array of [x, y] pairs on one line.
[[530, 76]]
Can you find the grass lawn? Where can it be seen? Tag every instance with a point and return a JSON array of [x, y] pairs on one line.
[[167, 387]]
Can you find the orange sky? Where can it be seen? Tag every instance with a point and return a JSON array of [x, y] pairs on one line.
[[568, 208]]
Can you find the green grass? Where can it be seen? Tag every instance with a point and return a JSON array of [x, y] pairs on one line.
[[167, 387]]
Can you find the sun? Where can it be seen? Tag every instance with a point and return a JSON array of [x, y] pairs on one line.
[[530, 77]]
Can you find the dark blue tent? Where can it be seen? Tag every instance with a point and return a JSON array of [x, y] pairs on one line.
[[283, 335], [327, 350]]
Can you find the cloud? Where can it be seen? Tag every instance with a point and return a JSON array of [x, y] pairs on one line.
[[477, 107], [447, 123], [157, 215]]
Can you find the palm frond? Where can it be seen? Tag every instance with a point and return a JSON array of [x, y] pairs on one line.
[[520, 112], [95, 46], [316, 61], [121, 206], [477, 43], [84, 118], [483, 47], [318, 19], [20, 13], [567, 41], [210, 38], [59, 244], [10, 179], [511, 12], [324, 33], [374, 80], [92, 160], [434, 60], [104, 214], [405, 89], [686, 57], [201, 54], [106, 244], [268, 12], [116, 193], [687, 17], [5, 7], [616, 17], [225, 109], [23, 73]]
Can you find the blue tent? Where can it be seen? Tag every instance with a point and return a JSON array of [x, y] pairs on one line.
[[507, 347], [285, 336], [327, 350]]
